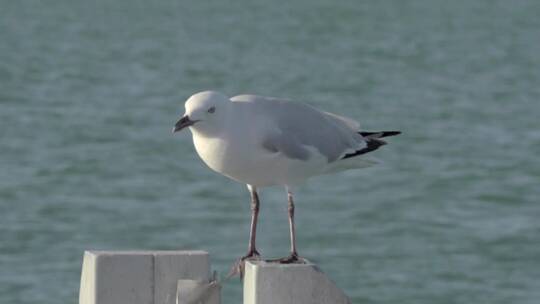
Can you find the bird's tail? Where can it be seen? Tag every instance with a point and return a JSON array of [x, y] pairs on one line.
[[373, 141]]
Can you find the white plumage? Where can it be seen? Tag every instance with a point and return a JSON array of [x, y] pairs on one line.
[[263, 141]]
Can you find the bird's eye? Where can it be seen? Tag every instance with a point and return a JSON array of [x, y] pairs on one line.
[[211, 110]]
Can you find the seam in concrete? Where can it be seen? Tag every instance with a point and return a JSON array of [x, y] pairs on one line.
[[153, 279]]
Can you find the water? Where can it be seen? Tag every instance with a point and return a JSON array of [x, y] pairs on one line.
[[89, 91]]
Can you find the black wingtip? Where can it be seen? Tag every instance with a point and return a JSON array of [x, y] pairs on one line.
[[379, 134], [372, 145], [373, 142], [391, 133]]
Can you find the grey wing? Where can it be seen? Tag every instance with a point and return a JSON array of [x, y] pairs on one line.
[[291, 147], [297, 127]]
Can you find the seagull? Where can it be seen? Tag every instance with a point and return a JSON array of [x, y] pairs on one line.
[[265, 141]]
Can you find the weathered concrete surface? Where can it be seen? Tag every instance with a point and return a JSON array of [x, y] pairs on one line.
[[273, 283], [198, 292], [139, 277], [172, 266]]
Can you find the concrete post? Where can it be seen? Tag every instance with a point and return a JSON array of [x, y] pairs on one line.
[[271, 283], [139, 277]]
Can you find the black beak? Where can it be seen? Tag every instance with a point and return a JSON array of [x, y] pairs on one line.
[[182, 123]]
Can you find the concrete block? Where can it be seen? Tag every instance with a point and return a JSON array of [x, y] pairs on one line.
[[139, 277], [270, 283], [170, 266], [198, 292], [117, 277]]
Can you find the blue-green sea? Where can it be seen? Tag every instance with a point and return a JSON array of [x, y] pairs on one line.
[[89, 92]]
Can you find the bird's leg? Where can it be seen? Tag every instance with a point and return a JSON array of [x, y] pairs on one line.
[[293, 256], [252, 250], [238, 267]]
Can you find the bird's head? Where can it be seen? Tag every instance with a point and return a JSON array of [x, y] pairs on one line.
[[205, 111]]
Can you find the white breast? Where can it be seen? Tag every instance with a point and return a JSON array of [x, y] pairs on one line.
[[243, 159], [213, 151]]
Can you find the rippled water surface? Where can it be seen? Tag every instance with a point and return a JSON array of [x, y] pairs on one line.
[[89, 91]]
